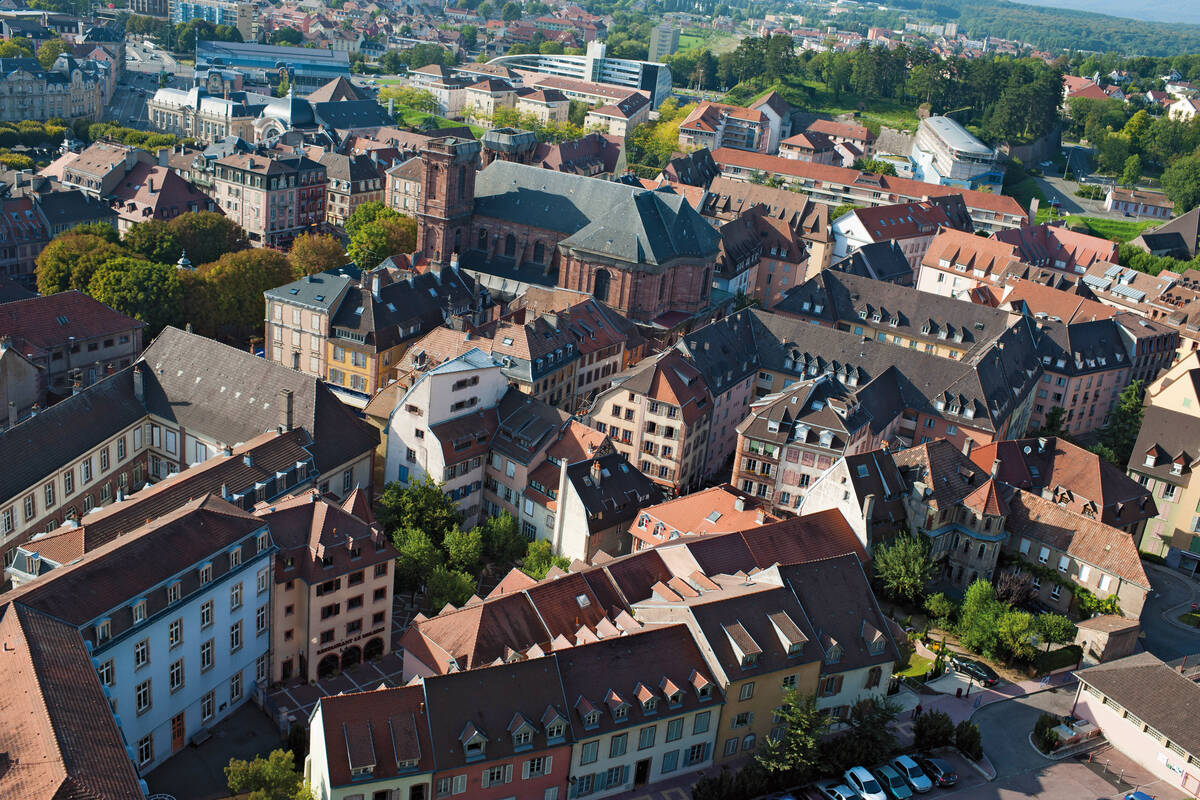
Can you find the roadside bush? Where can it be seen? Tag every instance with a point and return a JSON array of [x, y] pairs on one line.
[[1091, 192], [933, 729], [1044, 735], [968, 740], [1057, 659], [941, 608]]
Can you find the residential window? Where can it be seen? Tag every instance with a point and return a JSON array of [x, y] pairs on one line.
[[670, 761], [235, 687], [536, 767], [235, 597], [142, 697], [174, 592], [139, 612], [700, 722], [206, 614], [589, 752], [49, 496], [175, 632], [206, 655], [260, 620], [85, 471], [617, 745], [646, 737], [69, 483], [145, 750], [105, 673], [175, 677], [206, 707], [747, 691], [1043, 555], [1105, 581], [731, 746], [261, 580], [141, 654], [789, 681], [695, 754], [235, 557], [235, 636]]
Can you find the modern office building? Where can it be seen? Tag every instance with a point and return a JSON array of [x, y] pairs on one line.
[[596, 66], [664, 40], [218, 12]]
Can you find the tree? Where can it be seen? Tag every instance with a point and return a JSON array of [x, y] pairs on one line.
[[285, 84], [272, 778], [1181, 182], [450, 586], [838, 211], [406, 97], [795, 753], [904, 567], [377, 240], [502, 540], [511, 12], [968, 740], [367, 213], [1113, 149], [1124, 422], [1015, 588], [940, 608], [879, 167], [1044, 735], [153, 240], [1131, 173], [422, 505], [418, 558], [1055, 629], [287, 35], [539, 558], [70, 260], [464, 549], [238, 281], [49, 52], [16, 48], [102, 229], [1055, 422], [207, 235], [933, 729], [1015, 630], [979, 618], [314, 252], [869, 739], [141, 289]]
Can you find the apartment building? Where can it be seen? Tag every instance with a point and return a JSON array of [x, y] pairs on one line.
[[1085, 366], [620, 117], [836, 185], [160, 415], [69, 89], [352, 181], [180, 643], [816, 148], [1137, 203], [717, 125], [945, 153], [867, 490], [911, 225], [352, 329], [69, 334], [719, 509], [331, 585], [1162, 462], [273, 199], [659, 416]]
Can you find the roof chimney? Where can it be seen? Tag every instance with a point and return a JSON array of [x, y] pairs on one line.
[[287, 414], [1041, 444], [375, 281], [760, 517], [248, 459], [596, 472], [739, 503], [163, 152], [995, 468], [968, 446], [139, 384], [454, 261], [227, 450], [12, 413]]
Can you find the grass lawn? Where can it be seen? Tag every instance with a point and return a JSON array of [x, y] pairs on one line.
[[1115, 230], [717, 43], [1024, 191], [412, 118], [1191, 619], [874, 112], [916, 667]]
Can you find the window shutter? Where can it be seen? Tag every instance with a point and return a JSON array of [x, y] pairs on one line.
[[547, 768], [460, 783], [525, 771], [750, 719], [484, 782]]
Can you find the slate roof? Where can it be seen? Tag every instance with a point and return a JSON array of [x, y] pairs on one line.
[[213, 388], [1167, 435], [597, 216], [59, 738], [49, 322], [390, 723], [337, 89], [619, 494], [1159, 695], [943, 468], [347, 114], [1186, 227], [880, 261], [39, 446]]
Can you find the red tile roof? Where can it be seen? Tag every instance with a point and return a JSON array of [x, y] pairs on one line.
[[47, 323]]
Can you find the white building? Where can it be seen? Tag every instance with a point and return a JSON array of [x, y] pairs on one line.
[[180, 641], [945, 153], [596, 66], [442, 426]]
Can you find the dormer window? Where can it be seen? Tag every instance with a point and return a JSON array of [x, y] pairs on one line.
[[174, 592], [621, 712], [555, 730], [1150, 459], [1177, 468], [591, 719], [650, 706], [263, 541], [206, 573], [749, 660], [522, 737], [235, 557], [103, 630], [139, 612], [704, 692]]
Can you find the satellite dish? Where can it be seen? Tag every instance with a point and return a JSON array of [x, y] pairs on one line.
[[1028, 449]]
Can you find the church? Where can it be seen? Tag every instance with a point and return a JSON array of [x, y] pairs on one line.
[[646, 253]]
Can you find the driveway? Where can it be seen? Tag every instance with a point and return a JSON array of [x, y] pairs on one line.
[[1173, 593], [1068, 780], [1005, 725]]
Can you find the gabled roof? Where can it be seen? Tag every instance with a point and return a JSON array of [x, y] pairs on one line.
[[50, 322], [390, 724], [59, 738]]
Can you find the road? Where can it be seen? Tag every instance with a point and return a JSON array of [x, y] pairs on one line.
[[1004, 727], [1172, 595]]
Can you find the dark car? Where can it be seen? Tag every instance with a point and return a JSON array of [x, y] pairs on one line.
[[976, 669], [941, 773]]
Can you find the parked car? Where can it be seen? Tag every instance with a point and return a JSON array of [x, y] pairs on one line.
[[976, 669], [938, 771], [863, 782], [912, 773], [836, 791], [893, 784]]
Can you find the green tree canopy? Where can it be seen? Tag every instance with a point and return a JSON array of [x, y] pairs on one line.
[[1124, 423], [375, 241], [70, 260], [502, 540], [1181, 182], [904, 567], [49, 52], [238, 281], [316, 252], [102, 229], [979, 618], [1015, 631], [421, 504], [16, 48], [142, 289], [153, 240], [272, 778], [287, 35], [539, 558], [419, 557], [464, 549], [796, 752], [451, 586], [1055, 629], [207, 235], [367, 213]]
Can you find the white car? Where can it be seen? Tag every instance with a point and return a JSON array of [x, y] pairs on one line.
[[912, 774], [836, 791], [864, 783]]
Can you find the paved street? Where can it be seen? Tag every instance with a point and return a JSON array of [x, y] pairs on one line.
[[1173, 594], [1005, 725]]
